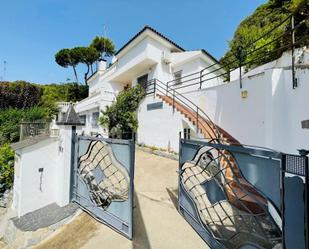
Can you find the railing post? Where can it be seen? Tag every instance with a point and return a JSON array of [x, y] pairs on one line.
[[294, 80], [166, 88], [21, 135], [197, 114], [173, 100], [201, 78]]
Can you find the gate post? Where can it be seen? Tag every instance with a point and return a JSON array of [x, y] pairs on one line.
[[68, 126], [294, 180]]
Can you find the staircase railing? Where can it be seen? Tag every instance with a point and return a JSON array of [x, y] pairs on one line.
[[200, 78], [201, 119]]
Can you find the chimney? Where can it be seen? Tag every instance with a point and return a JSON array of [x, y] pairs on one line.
[[102, 64]]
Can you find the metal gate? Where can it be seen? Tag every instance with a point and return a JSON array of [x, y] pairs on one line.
[[234, 196], [102, 180]]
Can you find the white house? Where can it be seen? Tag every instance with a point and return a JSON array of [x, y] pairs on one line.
[[187, 94], [265, 112], [147, 56]]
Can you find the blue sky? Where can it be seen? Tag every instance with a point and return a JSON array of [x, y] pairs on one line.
[[32, 31]]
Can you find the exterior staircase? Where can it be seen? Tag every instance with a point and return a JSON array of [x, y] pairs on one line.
[[205, 127], [238, 188]]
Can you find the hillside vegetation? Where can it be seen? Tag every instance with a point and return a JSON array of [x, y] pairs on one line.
[[23, 101], [265, 19]]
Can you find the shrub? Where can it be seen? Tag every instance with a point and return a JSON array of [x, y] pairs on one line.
[[19, 94], [11, 118], [69, 92], [6, 167], [121, 116]]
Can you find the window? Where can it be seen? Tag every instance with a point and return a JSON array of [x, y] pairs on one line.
[[143, 81], [187, 133], [95, 118], [82, 119], [177, 77]]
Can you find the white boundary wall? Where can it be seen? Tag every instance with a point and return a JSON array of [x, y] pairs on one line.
[[270, 116], [34, 189], [161, 127]]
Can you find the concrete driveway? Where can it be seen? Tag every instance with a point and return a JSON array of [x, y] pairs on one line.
[[157, 224]]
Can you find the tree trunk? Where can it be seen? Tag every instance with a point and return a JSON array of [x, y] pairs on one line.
[[86, 74], [74, 69]]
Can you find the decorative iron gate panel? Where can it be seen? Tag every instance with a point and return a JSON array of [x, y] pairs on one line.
[[103, 180], [231, 194]]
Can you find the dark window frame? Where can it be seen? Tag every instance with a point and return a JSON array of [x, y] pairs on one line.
[[187, 133], [177, 79]]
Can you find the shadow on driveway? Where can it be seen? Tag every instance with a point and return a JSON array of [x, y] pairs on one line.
[[140, 237]]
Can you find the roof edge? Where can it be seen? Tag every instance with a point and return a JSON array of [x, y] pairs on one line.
[[153, 30], [209, 55]]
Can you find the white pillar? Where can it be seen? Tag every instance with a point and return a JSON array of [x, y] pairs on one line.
[[65, 164], [102, 65]]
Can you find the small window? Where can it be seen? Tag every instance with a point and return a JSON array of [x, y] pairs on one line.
[[187, 133], [95, 118], [177, 77]]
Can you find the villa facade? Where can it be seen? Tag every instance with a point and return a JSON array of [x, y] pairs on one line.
[[147, 56], [253, 110], [225, 172]]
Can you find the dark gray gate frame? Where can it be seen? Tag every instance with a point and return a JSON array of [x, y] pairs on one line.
[[306, 197], [257, 151], [74, 161]]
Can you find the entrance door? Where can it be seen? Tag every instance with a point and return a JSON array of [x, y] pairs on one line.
[[103, 180], [143, 81]]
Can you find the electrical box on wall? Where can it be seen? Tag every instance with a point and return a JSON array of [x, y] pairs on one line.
[[244, 94]]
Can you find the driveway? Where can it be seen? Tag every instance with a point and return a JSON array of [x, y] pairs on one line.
[[157, 224]]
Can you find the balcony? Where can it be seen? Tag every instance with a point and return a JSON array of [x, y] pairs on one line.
[[95, 101]]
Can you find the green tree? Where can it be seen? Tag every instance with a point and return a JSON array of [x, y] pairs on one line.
[[68, 92], [19, 94], [88, 56], [68, 57], [243, 48], [104, 46], [121, 116]]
